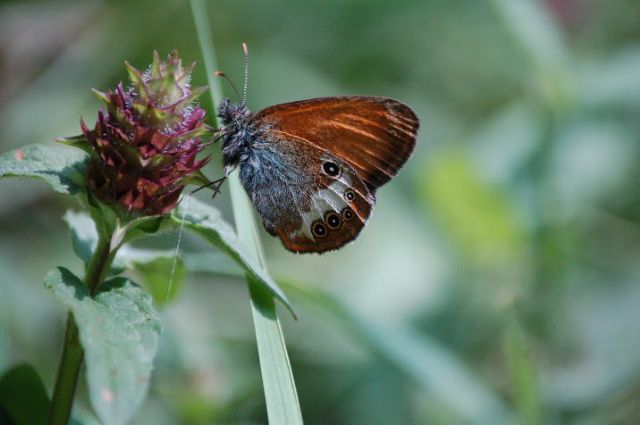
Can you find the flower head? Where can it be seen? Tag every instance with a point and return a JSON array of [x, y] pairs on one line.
[[145, 143]]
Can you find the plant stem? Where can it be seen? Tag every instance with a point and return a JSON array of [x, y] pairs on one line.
[[99, 263], [72, 352], [68, 370]]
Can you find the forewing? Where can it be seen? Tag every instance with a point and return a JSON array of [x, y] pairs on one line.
[[374, 135]]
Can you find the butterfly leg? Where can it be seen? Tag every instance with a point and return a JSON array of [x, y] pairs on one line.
[[213, 185], [216, 139]]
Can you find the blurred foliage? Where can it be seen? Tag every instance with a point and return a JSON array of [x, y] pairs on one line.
[[497, 281]]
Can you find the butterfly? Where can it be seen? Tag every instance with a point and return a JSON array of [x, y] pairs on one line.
[[312, 167]]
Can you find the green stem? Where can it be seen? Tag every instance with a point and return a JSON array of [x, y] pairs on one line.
[[72, 352], [99, 263]]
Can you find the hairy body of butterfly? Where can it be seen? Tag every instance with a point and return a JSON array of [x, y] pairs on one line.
[[311, 168]]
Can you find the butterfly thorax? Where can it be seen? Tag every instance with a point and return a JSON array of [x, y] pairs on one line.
[[236, 132]]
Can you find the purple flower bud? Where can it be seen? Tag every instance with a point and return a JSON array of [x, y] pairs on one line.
[[145, 143]]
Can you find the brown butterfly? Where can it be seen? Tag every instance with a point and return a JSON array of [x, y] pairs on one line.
[[311, 167]]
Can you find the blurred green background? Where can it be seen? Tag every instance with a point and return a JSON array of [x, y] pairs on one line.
[[497, 281]]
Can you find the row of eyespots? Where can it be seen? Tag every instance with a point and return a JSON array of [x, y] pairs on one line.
[[332, 221], [332, 169]]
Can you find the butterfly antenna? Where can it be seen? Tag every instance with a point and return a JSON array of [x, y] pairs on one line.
[[226, 77], [245, 50]]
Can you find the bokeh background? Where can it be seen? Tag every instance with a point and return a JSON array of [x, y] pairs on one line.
[[497, 281]]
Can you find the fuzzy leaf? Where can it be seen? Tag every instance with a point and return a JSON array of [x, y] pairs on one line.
[[119, 331], [207, 222], [62, 168], [144, 226], [84, 236], [23, 396], [162, 272]]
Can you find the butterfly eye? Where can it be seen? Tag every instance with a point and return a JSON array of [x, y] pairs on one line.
[[318, 229], [333, 220], [331, 168], [347, 214], [349, 195]]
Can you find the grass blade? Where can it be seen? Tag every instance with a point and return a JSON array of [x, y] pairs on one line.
[[277, 379]]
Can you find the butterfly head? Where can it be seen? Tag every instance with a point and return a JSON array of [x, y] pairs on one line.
[[232, 115], [235, 135], [235, 118]]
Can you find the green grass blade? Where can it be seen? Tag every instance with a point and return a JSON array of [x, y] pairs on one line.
[[280, 392]]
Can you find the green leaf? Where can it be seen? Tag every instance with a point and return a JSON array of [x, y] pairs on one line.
[[143, 226], [61, 167], [157, 268], [23, 396], [84, 236], [207, 222], [162, 272], [119, 331], [163, 277]]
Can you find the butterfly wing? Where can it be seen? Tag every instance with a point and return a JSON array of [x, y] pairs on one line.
[[374, 135], [315, 165], [312, 200]]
